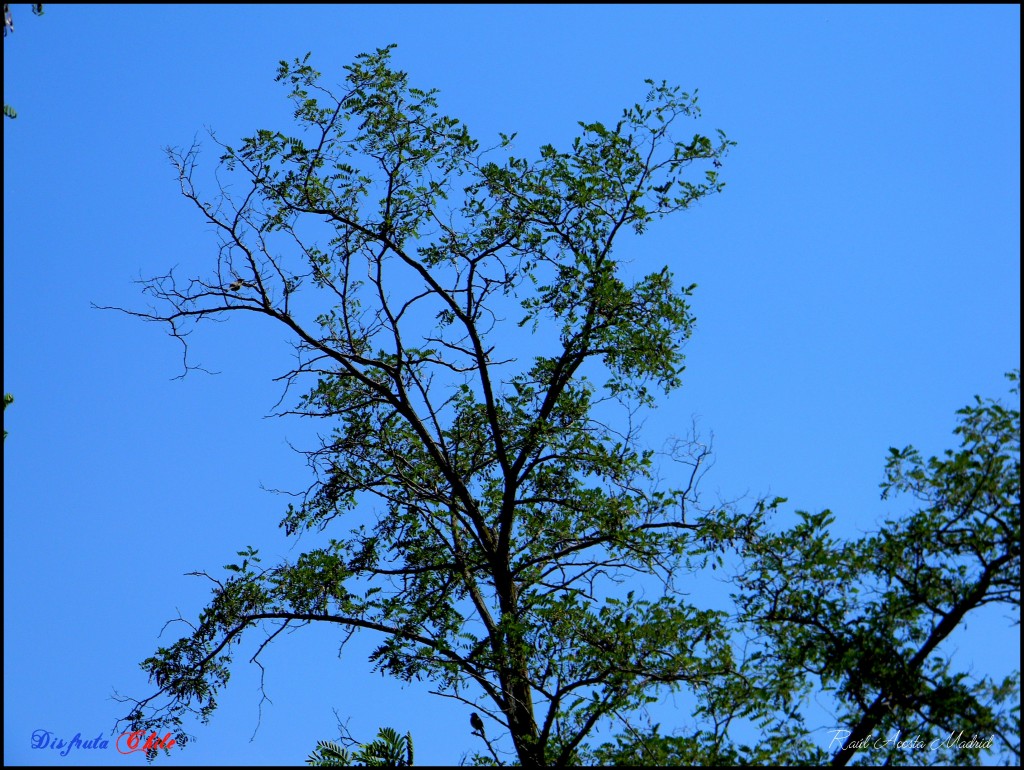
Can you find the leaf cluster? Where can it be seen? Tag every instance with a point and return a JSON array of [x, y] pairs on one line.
[[388, 749]]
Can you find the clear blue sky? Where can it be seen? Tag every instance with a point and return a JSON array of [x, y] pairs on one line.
[[859, 280]]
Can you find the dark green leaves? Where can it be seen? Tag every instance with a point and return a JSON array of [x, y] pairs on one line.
[[868, 619], [389, 749]]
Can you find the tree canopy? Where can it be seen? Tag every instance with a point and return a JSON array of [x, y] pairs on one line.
[[480, 353], [864, 621]]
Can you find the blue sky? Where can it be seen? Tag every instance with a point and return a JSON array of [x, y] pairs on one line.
[[858, 282]]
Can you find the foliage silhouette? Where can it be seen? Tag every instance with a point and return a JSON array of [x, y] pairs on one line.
[[389, 749]]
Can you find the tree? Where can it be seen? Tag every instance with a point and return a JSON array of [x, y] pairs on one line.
[[511, 505], [864, 621], [867, 617]]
